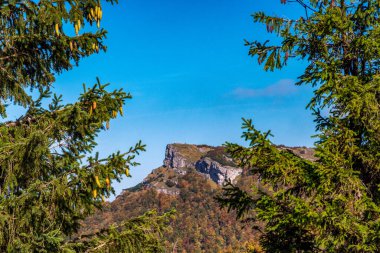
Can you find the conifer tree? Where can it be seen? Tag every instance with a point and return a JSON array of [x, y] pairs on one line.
[[331, 204], [50, 180]]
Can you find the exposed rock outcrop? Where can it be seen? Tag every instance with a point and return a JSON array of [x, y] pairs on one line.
[[181, 156], [202, 158], [213, 162], [216, 172]]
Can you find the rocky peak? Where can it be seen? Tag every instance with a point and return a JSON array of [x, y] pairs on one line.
[[212, 162], [181, 156]]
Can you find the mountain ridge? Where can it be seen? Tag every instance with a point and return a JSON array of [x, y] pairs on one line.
[[189, 179]]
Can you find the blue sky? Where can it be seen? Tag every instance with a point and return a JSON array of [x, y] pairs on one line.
[[191, 78]]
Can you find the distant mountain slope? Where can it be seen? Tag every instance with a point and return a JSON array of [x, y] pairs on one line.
[[188, 181]]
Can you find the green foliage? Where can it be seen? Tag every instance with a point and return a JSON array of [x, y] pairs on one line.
[[331, 204], [135, 235], [50, 180], [37, 42]]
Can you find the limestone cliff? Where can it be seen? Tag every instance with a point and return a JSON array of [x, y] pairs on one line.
[[212, 162]]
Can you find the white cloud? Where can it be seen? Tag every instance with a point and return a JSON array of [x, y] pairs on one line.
[[281, 88]]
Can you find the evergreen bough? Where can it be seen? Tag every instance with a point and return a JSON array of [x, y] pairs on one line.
[[50, 180], [331, 204]]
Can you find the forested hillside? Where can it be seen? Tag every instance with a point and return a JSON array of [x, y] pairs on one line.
[[200, 224]]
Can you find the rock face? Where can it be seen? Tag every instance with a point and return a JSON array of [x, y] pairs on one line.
[[213, 162], [203, 159], [174, 158], [216, 172]]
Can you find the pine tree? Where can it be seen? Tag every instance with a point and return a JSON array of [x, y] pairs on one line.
[[50, 180], [331, 204]]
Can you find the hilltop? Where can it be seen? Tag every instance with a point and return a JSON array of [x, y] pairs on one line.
[[189, 179]]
